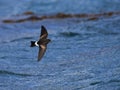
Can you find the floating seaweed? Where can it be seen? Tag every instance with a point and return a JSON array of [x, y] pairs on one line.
[[33, 17]]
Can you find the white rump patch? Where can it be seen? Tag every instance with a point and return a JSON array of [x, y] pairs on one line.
[[36, 44]]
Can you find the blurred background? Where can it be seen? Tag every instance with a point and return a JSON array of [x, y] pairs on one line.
[[84, 53], [15, 7]]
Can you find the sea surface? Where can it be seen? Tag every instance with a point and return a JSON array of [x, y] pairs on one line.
[[84, 54]]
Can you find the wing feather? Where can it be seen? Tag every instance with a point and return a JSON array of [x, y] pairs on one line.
[[44, 33], [41, 52]]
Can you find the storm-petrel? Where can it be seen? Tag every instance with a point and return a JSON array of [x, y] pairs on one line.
[[41, 43]]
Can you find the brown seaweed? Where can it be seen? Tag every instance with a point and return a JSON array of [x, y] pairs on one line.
[[33, 17]]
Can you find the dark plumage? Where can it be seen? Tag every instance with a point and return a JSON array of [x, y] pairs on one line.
[[41, 43]]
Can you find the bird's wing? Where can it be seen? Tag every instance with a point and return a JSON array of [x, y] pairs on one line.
[[41, 52], [44, 33]]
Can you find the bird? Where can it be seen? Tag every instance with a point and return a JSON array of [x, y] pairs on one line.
[[41, 43]]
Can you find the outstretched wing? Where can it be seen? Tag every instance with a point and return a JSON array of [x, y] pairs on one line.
[[44, 33], [41, 52]]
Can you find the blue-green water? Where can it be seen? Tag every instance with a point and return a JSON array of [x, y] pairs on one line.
[[83, 55]]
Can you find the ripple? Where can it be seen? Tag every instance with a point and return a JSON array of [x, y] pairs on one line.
[[114, 80], [3, 57], [23, 38], [95, 83], [69, 34], [18, 39], [108, 33], [13, 73]]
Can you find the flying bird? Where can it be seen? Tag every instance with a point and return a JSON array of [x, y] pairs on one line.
[[41, 43]]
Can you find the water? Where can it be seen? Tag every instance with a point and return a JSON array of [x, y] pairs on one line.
[[12, 7], [83, 54]]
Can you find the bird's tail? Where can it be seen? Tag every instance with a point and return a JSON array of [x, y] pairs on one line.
[[32, 44]]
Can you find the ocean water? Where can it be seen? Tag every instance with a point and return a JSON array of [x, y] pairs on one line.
[[9, 8], [83, 54]]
